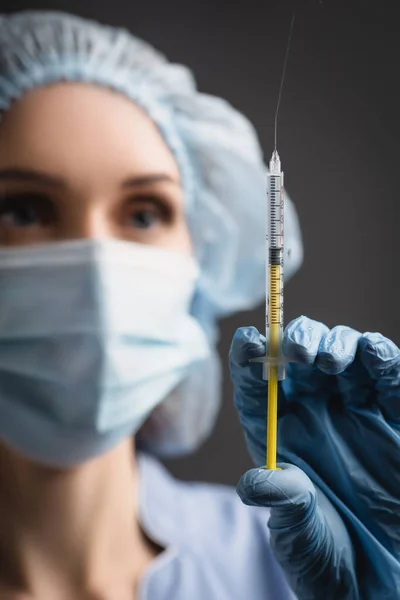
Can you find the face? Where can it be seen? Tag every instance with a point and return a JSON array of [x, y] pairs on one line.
[[77, 161]]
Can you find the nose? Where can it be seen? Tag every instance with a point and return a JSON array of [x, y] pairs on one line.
[[88, 222]]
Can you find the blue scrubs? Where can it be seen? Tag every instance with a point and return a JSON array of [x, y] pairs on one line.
[[216, 548]]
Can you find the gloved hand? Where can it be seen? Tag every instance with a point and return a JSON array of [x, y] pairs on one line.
[[335, 516]]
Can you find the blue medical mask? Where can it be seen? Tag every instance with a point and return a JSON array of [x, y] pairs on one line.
[[93, 335]]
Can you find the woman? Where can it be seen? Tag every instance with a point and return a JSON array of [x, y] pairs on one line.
[[129, 222]]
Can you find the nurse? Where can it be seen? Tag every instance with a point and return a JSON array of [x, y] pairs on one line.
[[129, 223]]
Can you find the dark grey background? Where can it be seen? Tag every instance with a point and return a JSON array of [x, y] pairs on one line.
[[339, 139]]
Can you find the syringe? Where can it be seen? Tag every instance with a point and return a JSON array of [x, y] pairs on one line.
[[274, 309], [273, 367], [274, 362]]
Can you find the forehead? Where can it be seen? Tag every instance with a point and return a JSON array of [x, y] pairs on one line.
[[73, 128]]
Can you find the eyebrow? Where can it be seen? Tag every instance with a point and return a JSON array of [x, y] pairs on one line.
[[31, 176]]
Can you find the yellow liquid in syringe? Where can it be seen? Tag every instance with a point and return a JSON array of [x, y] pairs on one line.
[[274, 331]]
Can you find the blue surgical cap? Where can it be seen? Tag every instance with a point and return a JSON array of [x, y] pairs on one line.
[[217, 150]]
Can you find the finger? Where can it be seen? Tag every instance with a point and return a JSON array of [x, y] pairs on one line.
[[381, 357], [288, 487], [289, 492], [247, 377], [249, 388], [337, 349], [301, 341], [247, 343], [308, 536], [340, 354]]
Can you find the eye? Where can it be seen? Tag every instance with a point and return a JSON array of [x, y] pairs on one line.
[[149, 212], [25, 210], [144, 218]]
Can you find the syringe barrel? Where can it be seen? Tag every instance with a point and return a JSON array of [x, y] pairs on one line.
[[275, 264]]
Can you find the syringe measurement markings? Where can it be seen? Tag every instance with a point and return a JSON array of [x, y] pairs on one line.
[[274, 310]]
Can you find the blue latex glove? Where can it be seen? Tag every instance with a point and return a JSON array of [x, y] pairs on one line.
[[335, 517]]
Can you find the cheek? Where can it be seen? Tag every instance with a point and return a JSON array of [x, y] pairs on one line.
[[179, 238]]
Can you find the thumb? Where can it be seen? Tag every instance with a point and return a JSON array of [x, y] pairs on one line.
[[289, 492], [308, 536]]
